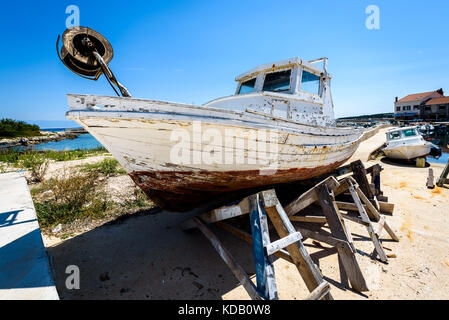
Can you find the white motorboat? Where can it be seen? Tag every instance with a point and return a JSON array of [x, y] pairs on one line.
[[406, 143]]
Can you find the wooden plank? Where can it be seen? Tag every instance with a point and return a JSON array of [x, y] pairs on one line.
[[354, 219], [359, 174], [282, 243], [266, 284], [309, 197], [375, 214], [308, 270], [380, 251], [328, 239], [385, 207], [220, 214], [430, 180], [320, 291], [380, 226], [442, 180], [311, 219], [247, 237], [349, 260], [236, 269]]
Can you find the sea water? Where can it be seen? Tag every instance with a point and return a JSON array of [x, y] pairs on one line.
[[82, 142]]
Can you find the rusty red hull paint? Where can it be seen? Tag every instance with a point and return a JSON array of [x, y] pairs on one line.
[[182, 191]]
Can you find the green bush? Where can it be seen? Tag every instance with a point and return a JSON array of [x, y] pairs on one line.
[[37, 165], [12, 129], [108, 167], [67, 198]]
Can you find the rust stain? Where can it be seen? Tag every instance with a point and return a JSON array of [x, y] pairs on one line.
[[437, 190], [403, 184], [419, 198], [446, 262], [406, 227], [180, 191]]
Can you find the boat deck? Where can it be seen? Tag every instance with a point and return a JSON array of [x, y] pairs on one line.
[[24, 268]]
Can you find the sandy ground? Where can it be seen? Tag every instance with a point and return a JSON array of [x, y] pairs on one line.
[[148, 256]]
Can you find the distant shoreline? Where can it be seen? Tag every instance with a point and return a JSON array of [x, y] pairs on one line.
[[47, 136]]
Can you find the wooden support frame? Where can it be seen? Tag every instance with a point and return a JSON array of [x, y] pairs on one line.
[[346, 257], [261, 206], [442, 180], [367, 222]]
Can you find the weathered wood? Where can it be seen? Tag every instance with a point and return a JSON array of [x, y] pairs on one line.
[[375, 179], [309, 197], [375, 214], [236, 269], [328, 239], [359, 174], [266, 283], [365, 218], [311, 219], [320, 291], [442, 180], [220, 214], [354, 219], [385, 207], [349, 260], [247, 237], [308, 270], [282, 243]]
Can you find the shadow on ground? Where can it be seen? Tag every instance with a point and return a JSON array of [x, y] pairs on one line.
[[148, 256]]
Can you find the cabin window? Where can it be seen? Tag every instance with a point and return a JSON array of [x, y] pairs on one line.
[[409, 133], [277, 81], [310, 83], [394, 135], [247, 86]]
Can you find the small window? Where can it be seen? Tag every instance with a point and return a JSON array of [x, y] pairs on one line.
[[310, 83], [442, 107], [428, 109], [398, 109], [248, 86], [394, 135], [409, 133], [416, 108], [407, 108], [277, 81]]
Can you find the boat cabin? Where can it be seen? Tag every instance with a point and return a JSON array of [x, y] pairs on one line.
[[403, 133], [292, 90]]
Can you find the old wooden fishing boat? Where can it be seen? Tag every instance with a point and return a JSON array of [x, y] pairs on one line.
[[278, 127]]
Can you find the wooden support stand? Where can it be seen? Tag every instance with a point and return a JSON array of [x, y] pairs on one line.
[[262, 206], [443, 178]]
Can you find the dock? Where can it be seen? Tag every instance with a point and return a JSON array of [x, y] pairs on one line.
[[24, 268]]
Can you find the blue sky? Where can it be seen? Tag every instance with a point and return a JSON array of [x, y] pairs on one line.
[[191, 51]]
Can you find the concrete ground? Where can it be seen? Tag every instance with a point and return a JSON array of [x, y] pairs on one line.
[[147, 256], [24, 268]]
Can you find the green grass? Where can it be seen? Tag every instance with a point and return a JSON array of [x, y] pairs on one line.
[[12, 129], [17, 158], [70, 197], [107, 167]]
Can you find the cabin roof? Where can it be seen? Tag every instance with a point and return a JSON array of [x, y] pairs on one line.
[[279, 65], [401, 129]]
